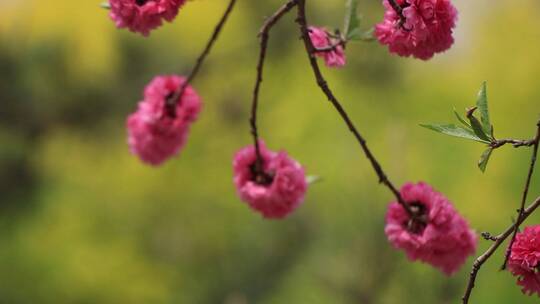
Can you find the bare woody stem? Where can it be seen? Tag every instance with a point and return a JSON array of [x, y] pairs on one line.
[[399, 10], [333, 46], [497, 241], [396, 6], [536, 143], [335, 40], [264, 36], [383, 178], [174, 98], [514, 142]]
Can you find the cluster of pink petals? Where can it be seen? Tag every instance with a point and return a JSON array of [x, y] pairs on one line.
[[439, 236], [157, 131], [334, 58], [427, 29], [142, 16], [524, 261], [277, 190]]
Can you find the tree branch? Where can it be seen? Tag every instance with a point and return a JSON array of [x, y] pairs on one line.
[[331, 47], [536, 143], [264, 36], [498, 240], [514, 142], [338, 41], [399, 10], [383, 178], [171, 102], [396, 6]]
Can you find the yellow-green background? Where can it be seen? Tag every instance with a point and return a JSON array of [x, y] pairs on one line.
[[83, 221]]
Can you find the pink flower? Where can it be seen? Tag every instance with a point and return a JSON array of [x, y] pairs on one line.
[[524, 261], [427, 28], [276, 189], [438, 236], [141, 16], [319, 38], [157, 131]]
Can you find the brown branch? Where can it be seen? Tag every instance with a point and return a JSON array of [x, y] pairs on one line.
[[399, 10], [331, 47], [498, 240], [335, 40], [383, 178], [174, 98], [514, 142], [264, 36], [488, 237], [536, 143], [396, 6]]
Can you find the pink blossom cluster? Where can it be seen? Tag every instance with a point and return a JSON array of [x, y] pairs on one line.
[[142, 16], [334, 58], [160, 126], [436, 235], [426, 29], [524, 261], [275, 187]]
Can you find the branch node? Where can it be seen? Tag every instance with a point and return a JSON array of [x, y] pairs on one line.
[[488, 237]]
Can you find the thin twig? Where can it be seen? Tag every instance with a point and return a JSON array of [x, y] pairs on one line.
[[488, 237], [514, 142], [396, 6], [536, 143], [491, 250], [383, 178], [264, 36], [174, 98], [399, 10], [331, 47]]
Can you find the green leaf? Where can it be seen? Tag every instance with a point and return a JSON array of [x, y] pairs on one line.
[[456, 131], [358, 35], [482, 104], [312, 179], [105, 5], [484, 159], [352, 20], [461, 119], [477, 128]]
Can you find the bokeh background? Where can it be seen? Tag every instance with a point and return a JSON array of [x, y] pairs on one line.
[[83, 221]]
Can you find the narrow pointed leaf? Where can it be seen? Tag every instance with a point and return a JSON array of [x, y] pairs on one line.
[[478, 130], [105, 5], [482, 104], [484, 159], [352, 21], [461, 119], [453, 130]]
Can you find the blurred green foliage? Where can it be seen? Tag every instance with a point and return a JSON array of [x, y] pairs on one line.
[[83, 221]]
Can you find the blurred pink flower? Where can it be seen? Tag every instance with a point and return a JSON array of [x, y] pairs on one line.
[[319, 38], [276, 190], [157, 131], [142, 16], [439, 236], [524, 260], [427, 28]]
